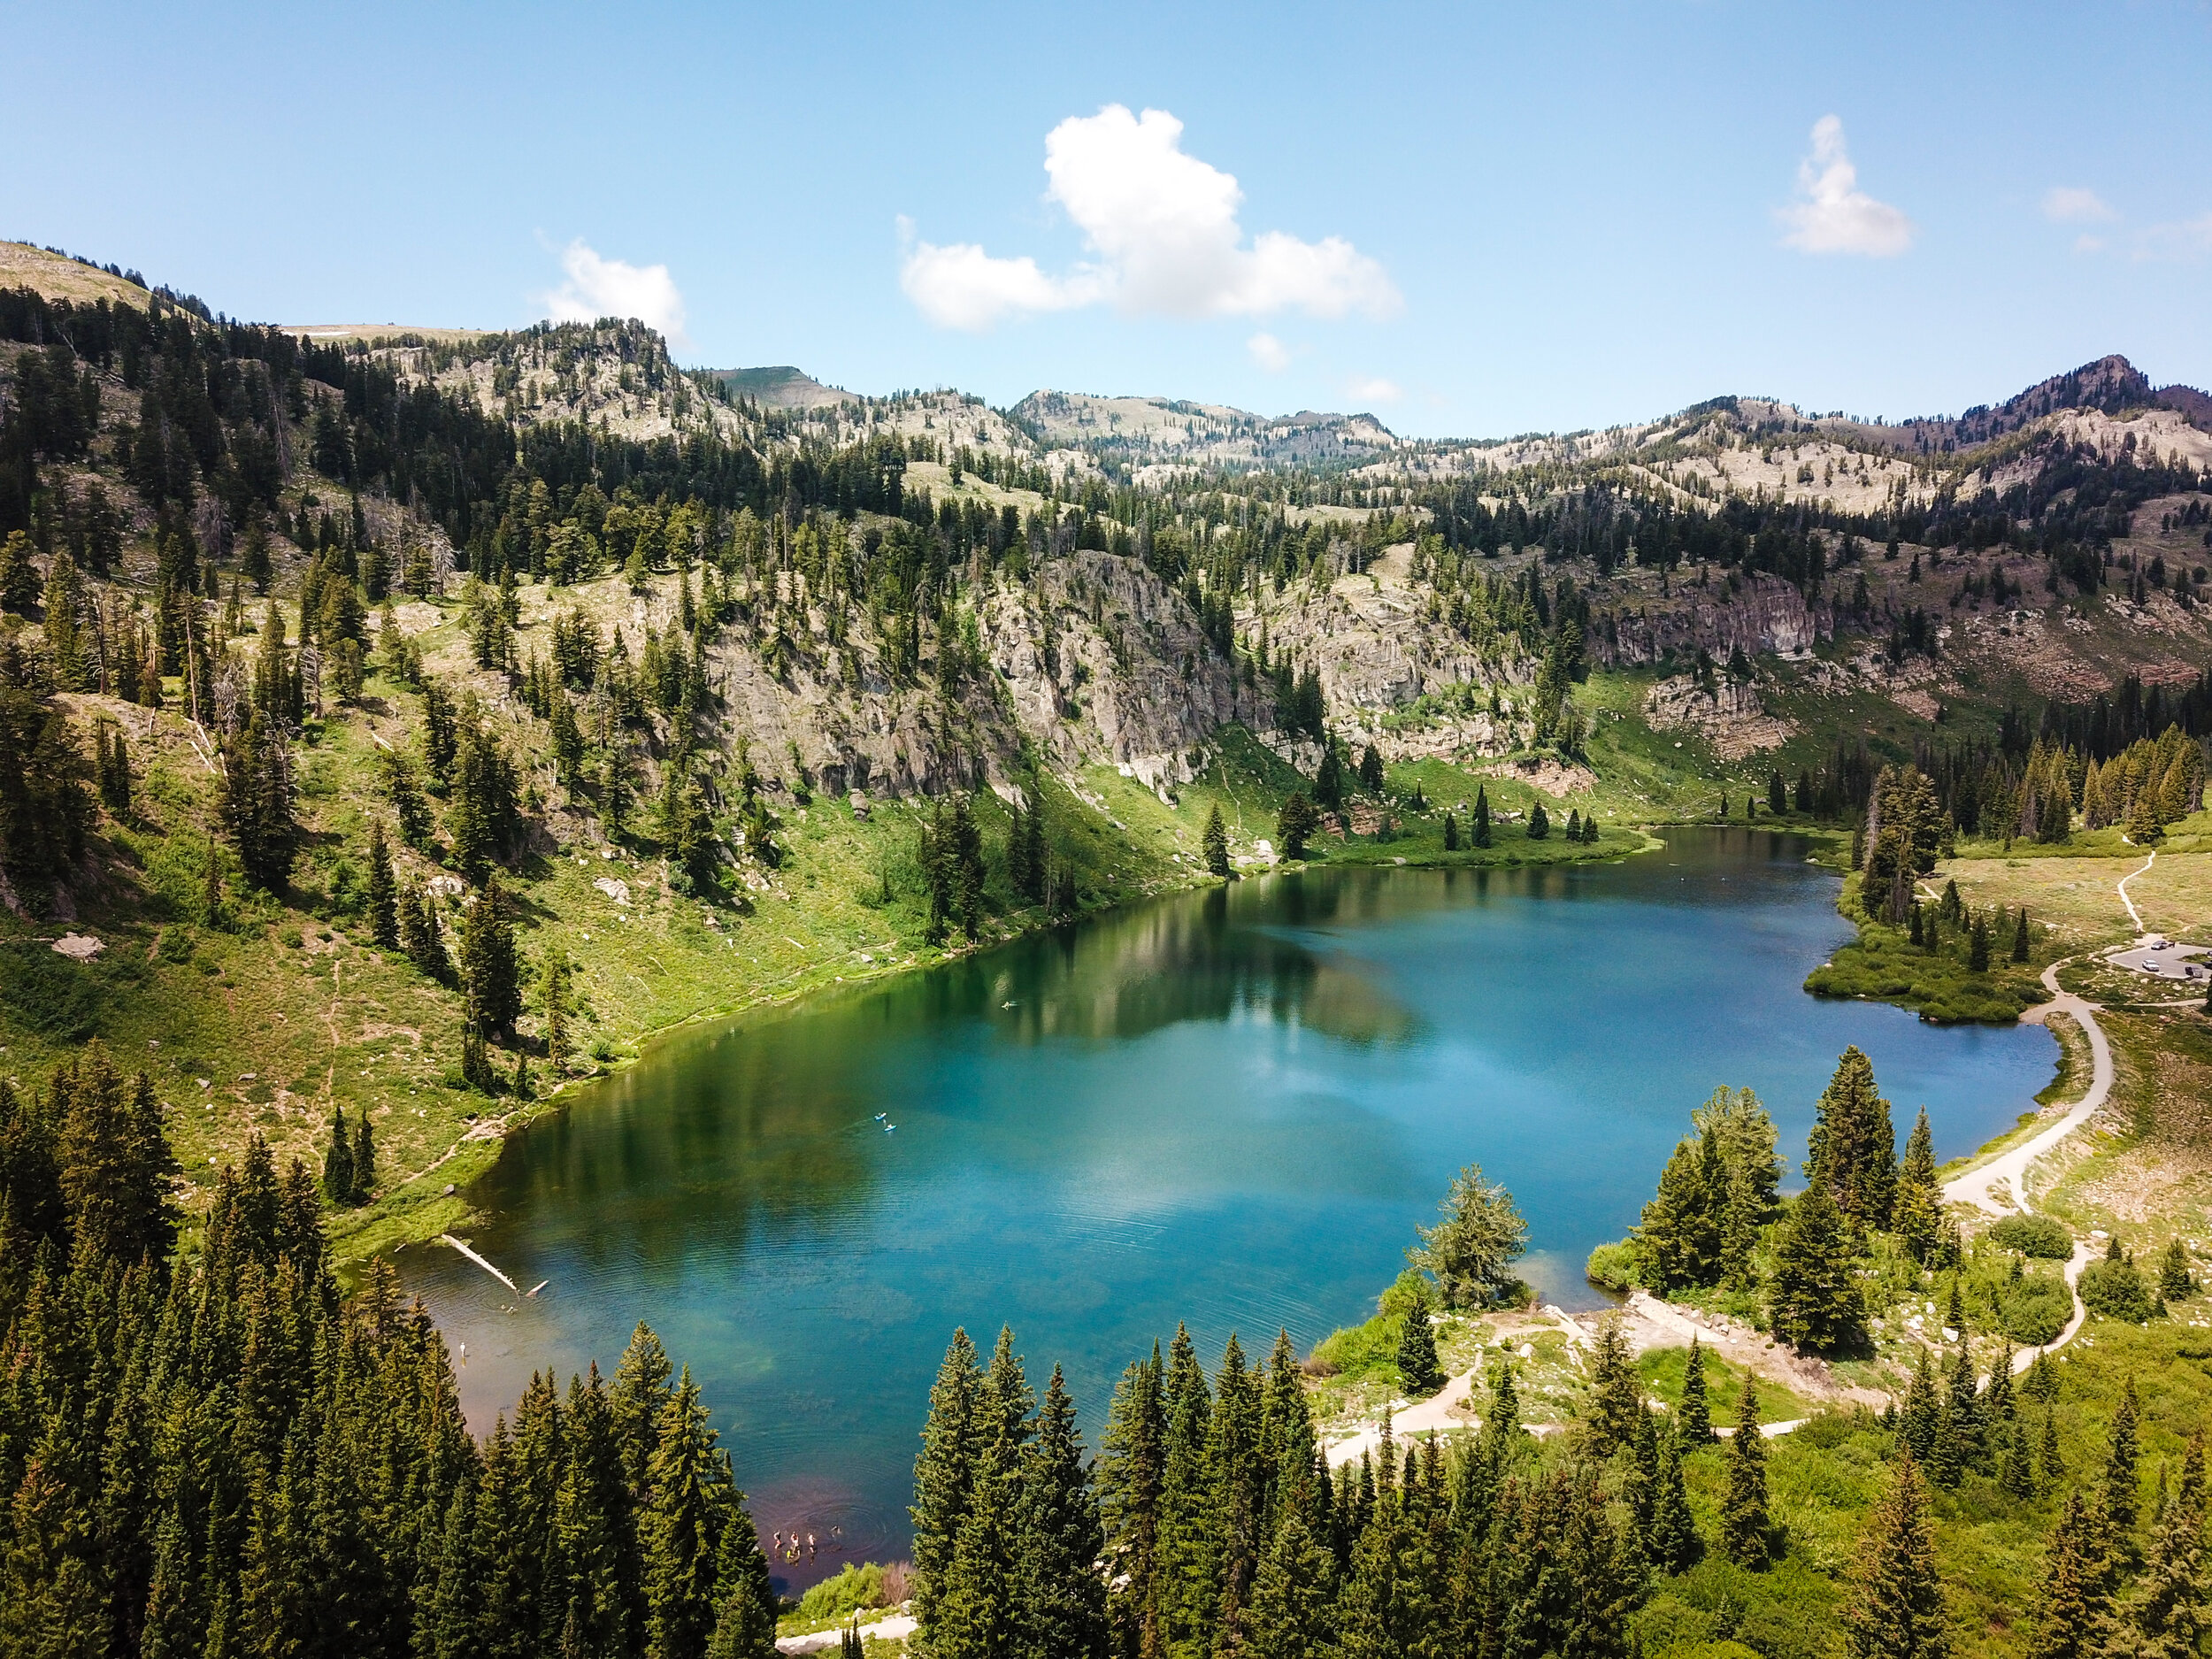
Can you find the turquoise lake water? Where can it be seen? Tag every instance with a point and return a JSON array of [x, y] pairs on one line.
[[1230, 1108]]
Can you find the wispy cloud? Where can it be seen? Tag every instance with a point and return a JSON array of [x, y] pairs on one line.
[[1373, 388], [598, 286], [2176, 239], [1831, 214], [1162, 229], [1269, 352], [2076, 204]]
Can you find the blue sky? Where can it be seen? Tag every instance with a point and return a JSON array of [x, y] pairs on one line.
[[1473, 220]]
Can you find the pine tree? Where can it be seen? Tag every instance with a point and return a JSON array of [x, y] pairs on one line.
[[1895, 1606], [745, 1600], [1371, 770], [1451, 832], [553, 992], [1539, 822], [1616, 1395], [1745, 1528], [2020, 937], [678, 1528], [1189, 1543], [1854, 1150], [1215, 842], [1814, 1300], [1917, 1214], [338, 1161], [1418, 1372], [1060, 1599], [1671, 1543], [383, 891], [491, 972], [1481, 836], [944, 1474], [254, 802], [2121, 1504], [2074, 1607], [364, 1159], [1293, 1597], [1678, 1236], [1978, 950], [1693, 1414], [2175, 1281], [1130, 1481], [1296, 821], [2172, 1603]]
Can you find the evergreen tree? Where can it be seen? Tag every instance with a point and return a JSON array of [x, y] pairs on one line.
[[2121, 1505], [1814, 1300], [2073, 1616], [1693, 1415], [364, 1159], [1418, 1372], [1978, 950], [1130, 1482], [553, 991], [1895, 1606], [2020, 937], [2175, 1281], [338, 1161], [944, 1475], [1189, 1543], [1678, 1237], [1917, 1213], [115, 1165], [2172, 1604], [1616, 1393], [491, 972], [1370, 771], [679, 1528], [383, 891], [1481, 836], [1539, 823], [254, 802], [1745, 1528], [1293, 1597], [1671, 1542], [1451, 832], [1294, 824], [1215, 842], [1060, 1598], [1854, 1150]]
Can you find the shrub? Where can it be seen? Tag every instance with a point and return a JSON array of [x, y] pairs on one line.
[[2035, 1235], [2115, 1290], [1616, 1267], [2035, 1308], [851, 1591]]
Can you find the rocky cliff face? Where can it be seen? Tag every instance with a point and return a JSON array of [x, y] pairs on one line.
[[1092, 660], [1766, 615]]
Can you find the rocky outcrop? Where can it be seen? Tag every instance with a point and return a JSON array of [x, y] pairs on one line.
[[1766, 615], [1729, 715]]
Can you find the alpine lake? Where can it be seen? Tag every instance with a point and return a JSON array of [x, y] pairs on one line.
[[1230, 1108]]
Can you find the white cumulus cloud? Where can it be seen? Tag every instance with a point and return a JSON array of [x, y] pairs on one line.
[[2076, 204], [599, 287], [1831, 214], [1373, 389], [1269, 352], [1162, 229]]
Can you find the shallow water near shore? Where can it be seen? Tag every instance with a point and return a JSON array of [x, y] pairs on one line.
[[1230, 1108]]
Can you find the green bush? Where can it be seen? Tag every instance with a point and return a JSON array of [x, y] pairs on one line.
[[1616, 1267], [2115, 1290], [852, 1591], [2035, 1235], [2035, 1308]]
